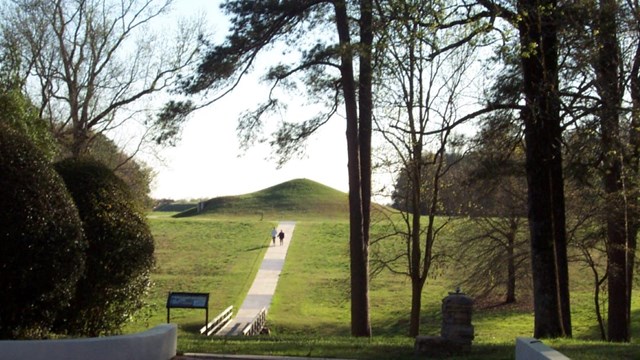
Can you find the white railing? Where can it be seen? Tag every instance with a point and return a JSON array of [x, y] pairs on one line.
[[257, 324], [218, 323]]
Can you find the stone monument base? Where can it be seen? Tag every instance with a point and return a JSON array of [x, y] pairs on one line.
[[438, 345]]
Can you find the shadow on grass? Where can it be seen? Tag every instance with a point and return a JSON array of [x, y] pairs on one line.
[[259, 247], [317, 329], [597, 350], [430, 324], [593, 333], [380, 347], [376, 348], [192, 327]]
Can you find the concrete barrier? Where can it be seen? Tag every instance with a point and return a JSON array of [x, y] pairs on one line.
[[534, 349], [159, 343]]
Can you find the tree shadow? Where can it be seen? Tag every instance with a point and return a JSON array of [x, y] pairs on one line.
[[495, 304], [347, 347], [258, 247], [398, 323], [591, 331], [604, 350]]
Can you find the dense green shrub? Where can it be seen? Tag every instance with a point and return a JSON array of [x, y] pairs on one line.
[[120, 253], [42, 247], [22, 116]]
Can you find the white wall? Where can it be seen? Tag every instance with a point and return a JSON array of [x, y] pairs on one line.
[[534, 349], [159, 343]]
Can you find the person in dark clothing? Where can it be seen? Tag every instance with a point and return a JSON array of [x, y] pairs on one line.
[[281, 236]]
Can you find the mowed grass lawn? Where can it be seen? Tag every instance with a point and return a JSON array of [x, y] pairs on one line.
[[310, 313], [216, 256]]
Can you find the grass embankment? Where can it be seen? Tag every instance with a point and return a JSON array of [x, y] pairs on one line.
[[300, 199], [220, 253], [218, 256]]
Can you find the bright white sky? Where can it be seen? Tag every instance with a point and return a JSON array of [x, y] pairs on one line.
[[207, 161]]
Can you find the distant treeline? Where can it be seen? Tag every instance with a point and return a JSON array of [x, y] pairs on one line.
[[473, 186]]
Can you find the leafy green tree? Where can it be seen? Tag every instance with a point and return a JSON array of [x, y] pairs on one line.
[[18, 111], [43, 248], [22, 116], [334, 70], [135, 174], [119, 256]]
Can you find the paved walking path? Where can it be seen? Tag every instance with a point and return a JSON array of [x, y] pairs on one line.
[[264, 285]]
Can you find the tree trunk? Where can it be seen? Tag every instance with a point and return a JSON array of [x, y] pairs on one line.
[[78, 140], [559, 225], [596, 299], [538, 36], [415, 255], [619, 309], [358, 245], [365, 102], [607, 76], [511, 265], [416, 305], [633, 166], [365, 106]]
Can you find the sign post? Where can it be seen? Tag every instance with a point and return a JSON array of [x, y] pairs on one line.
[[188, 300]]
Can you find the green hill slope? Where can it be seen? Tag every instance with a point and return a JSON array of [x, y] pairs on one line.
[[296, 197]]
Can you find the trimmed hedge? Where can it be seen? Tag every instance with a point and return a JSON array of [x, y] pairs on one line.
[[42, 254], [120, 253]]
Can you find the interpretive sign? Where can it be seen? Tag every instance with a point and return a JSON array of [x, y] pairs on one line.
[[187, 300]]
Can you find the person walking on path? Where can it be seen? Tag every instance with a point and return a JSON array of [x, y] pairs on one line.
[[281, 236], [274, 233], [260, 294]]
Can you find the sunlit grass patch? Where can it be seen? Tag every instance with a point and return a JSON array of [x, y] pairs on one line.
[[202, 255], [310, 313]]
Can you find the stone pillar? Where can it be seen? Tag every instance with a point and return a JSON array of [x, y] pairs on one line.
[[457, 309], [456, 333]]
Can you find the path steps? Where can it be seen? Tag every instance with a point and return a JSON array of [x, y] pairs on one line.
[[264, 286]]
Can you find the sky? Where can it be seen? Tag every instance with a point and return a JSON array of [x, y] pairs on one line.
[[207, 162]]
